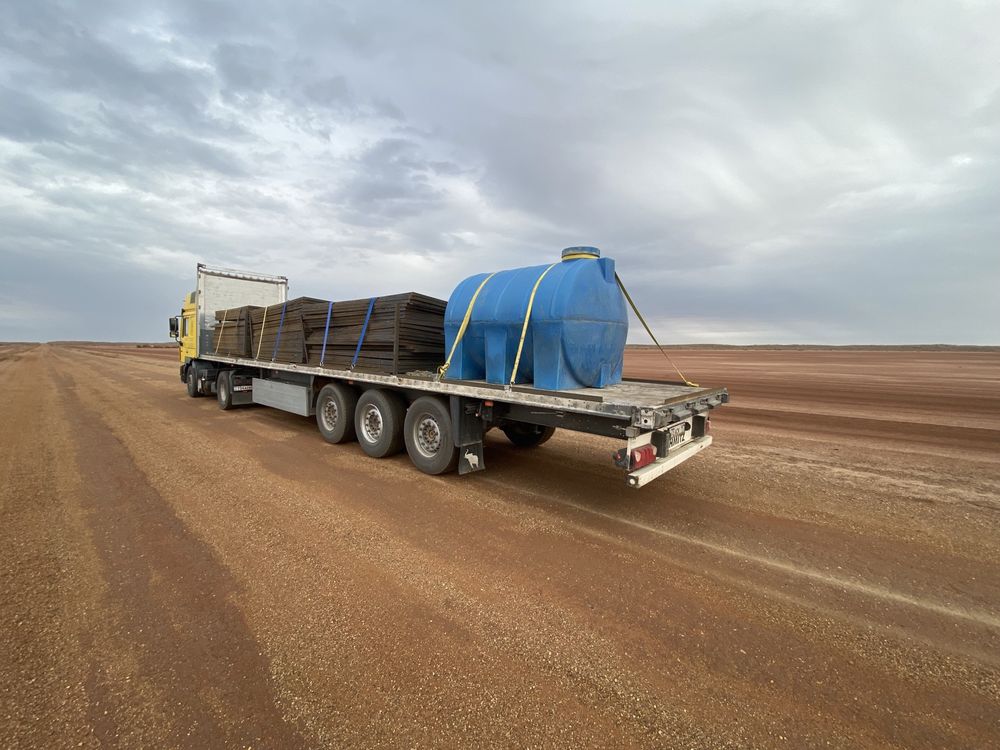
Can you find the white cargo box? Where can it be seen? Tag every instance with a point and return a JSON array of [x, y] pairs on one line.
[[222, 289]]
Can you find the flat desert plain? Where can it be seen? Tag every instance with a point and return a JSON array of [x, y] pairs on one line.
[[826, 575]]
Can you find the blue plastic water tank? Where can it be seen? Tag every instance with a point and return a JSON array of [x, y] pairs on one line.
[[576, 335]]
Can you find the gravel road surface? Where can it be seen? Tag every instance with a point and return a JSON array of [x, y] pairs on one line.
[[826, 575]]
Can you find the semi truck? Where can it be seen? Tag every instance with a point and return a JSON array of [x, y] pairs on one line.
[[439, 422]]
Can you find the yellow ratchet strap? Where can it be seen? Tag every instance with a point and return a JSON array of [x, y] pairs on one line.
[[222, 329], [644, 325], [461, 329], [527, 314], [260, 341]]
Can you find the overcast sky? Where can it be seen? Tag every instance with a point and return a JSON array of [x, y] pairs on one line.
[[762, 172]]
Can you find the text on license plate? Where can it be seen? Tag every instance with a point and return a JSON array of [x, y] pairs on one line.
[[675, 434], [242, 387]]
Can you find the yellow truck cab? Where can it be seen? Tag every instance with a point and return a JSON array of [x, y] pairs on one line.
[[184, 328]]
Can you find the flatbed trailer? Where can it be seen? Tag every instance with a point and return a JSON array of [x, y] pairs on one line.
[[672, 418], [441, 423]]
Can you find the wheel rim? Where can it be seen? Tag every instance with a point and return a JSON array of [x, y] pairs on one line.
[[329, 414], [371, 423], [427, 436], [223, 390]]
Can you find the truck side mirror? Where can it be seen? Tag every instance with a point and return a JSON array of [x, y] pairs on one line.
[[174, 328]]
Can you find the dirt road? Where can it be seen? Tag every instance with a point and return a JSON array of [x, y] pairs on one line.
[[826, 575]]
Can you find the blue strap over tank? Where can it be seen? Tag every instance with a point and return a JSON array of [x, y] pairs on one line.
[[277, 339], [364, 329], [326, 334]]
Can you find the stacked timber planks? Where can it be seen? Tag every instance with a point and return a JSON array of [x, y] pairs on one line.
[[232, 331], [405, 332], [278, 331], [398, 333]]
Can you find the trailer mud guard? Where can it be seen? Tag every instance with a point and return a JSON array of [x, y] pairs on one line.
[[467, 425]]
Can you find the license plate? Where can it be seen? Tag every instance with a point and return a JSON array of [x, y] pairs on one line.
[[242, 387], [676, 434]]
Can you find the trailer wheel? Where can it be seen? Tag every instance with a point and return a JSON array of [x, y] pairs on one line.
[[525, 435], [192, 384], [224, 390], [335, 407], [428, 434], [378, 421]]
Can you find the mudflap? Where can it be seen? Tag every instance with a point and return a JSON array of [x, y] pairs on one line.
[[467, 426], [242, 388]]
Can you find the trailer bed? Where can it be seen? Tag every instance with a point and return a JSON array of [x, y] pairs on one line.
[[644, 404]]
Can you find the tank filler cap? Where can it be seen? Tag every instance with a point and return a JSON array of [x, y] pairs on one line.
[[572, 253]]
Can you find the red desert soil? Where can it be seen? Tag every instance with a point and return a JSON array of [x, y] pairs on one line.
[[826, 575]]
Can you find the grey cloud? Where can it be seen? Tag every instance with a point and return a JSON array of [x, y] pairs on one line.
[[70, 58], [24, 118], [768, 171], [390, 180], [245, 67], [141, 142], [97, 292], [330, 92], [131, 149], [385, 108], [220, 19]]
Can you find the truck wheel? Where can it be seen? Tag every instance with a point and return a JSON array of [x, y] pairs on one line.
[[335, 407], [192, 384], [525, 435], [378, 420], [224, 390], [428, 434]]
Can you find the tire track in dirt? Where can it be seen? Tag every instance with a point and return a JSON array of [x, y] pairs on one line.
[[560, 664], [42, 668], [192, 649], [688, 512], [969, 612], [988, 619], [280, 457], [396, 608]]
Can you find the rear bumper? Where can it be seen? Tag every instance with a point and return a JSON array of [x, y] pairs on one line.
[[648, 473]]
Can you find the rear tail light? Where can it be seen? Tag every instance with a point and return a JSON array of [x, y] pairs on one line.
[[634, 459], [642, 456]]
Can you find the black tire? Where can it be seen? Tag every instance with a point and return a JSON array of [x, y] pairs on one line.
[[427, 431], [525, 435], [224, 390], [192, 384], [335, 408], [378, 421]]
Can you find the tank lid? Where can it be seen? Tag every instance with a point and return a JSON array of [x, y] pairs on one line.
[[572, 253]]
